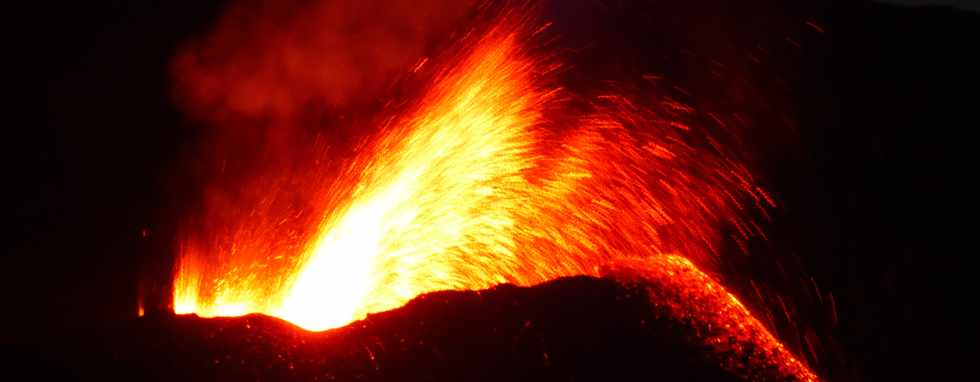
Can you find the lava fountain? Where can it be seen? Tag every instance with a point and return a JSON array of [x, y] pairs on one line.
[[495, 174]]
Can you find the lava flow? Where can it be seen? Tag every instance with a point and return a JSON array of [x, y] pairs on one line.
[[494, 175]]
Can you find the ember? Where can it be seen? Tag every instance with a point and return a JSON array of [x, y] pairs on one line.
[[495, 174]]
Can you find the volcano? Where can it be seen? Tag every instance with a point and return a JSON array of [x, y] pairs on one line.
[[491, 173], [433, 191]]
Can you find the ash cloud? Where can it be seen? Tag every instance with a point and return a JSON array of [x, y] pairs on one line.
[[270, 60]]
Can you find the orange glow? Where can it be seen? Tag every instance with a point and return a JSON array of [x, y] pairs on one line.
[[739, 340], [477, 183]]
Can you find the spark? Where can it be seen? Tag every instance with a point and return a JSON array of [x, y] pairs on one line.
[[491, 177]]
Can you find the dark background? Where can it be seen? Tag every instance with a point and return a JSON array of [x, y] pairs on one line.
[[963, 4], [870, 209]]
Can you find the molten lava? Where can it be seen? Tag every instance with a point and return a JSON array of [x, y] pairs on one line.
[[494, 175]]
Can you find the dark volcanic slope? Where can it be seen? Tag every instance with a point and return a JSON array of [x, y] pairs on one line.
[[871, 197], [571, 329]]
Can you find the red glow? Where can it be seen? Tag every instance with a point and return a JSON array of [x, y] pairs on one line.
[[491, 176]]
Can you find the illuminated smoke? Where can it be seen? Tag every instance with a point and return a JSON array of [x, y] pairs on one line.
[[494, 174]]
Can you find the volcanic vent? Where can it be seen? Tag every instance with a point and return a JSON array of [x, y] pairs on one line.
[[491, 172]]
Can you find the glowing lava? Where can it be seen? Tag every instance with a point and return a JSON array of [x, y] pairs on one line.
[[493, 176]]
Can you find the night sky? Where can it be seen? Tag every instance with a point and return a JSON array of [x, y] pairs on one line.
[[964, 4], [870, 208]]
